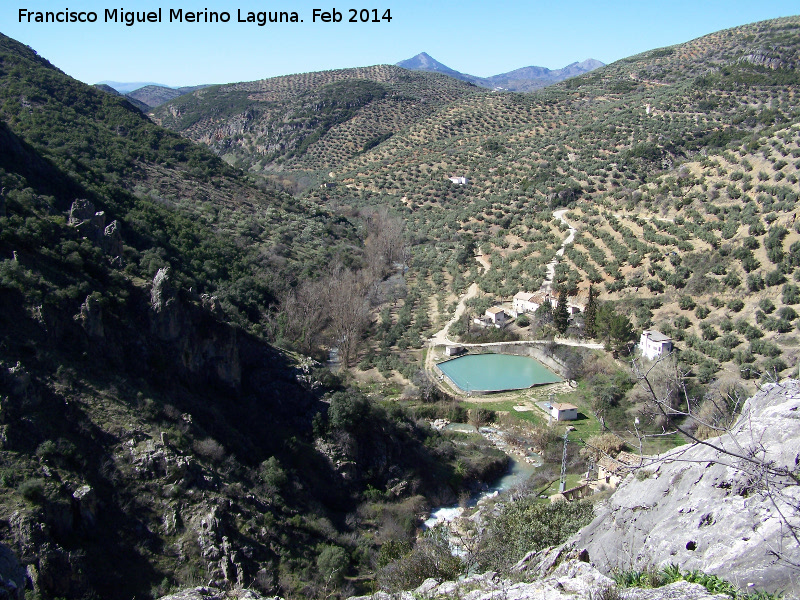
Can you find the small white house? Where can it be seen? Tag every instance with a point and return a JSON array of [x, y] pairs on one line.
[[459, 180], [496, 315], [453, 350], [654, 344], [561, 411]]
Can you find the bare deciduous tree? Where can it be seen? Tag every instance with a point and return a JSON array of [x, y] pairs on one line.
[[304, 314], [347, 310], [385, 238]]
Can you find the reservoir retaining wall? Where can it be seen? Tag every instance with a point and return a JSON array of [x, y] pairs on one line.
[[537, 351]]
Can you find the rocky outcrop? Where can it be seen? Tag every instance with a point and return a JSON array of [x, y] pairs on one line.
[[721, 507], [19, 396], [91, 224], [164, 306], [18, 384], [212, 305], [765, 59], [111, 242], [212, 593], [572, 580], [85, 502], [225, 562], [203, 344], [91, 317], [83, 211], [51, 570]]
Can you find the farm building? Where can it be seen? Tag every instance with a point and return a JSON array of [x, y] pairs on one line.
[[459, 180], [525, 302], [529, 302], [561, 411], [496, 315], [613, 470], [654, 344]]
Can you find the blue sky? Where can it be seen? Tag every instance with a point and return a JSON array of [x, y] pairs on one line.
[[480, 38]]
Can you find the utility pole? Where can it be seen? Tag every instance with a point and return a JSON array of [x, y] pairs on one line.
[[563, 485]]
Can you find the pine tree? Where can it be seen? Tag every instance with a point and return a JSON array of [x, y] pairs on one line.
[[561, 315], [589, 328]]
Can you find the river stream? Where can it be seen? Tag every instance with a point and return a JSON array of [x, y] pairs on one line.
[[519, 471]]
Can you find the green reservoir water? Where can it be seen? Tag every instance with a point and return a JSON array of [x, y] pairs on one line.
[[496, 372]]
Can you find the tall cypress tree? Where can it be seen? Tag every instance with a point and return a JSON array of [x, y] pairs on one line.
[[589, 328], [561, 315]]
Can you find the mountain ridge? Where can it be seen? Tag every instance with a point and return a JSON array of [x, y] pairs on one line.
[[147, 95], [123, 87], [287, 116], [154, 95], [524, 79]]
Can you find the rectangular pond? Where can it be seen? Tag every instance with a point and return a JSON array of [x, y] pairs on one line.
[[496, 372]]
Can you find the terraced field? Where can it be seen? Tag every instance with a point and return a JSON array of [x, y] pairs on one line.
[[679, 167], [309, 121]]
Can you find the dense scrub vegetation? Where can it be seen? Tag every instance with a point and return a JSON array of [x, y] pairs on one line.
[[150, 436], [178, 205]]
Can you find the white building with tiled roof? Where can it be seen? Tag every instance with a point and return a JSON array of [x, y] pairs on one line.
[[530, 301], [525, 302]]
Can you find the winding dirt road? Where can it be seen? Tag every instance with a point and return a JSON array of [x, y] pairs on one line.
[[547, 284]]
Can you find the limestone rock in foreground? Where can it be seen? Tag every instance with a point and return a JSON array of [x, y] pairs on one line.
[[211, 593], [572, 580], [702, 509]]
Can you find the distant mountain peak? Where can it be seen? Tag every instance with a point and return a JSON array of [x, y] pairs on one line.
[[425, 62]]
